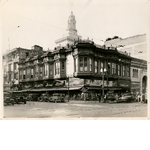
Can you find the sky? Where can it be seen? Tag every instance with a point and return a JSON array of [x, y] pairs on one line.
[[25, 23]]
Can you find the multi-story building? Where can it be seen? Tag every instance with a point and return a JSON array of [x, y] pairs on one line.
[[136, 45], [80, 66], [10, 65], [83, 63]]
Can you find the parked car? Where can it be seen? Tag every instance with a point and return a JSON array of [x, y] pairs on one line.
[[110, 97], [127, 97], [57, 97], [44, 97], [8, 98], [33, 96], [20, 98]]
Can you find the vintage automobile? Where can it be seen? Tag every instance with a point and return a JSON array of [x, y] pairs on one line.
[[111, 97], [57, 97], [20, 98], [33, 97], [9, 98], [44, 97], [127, 97]]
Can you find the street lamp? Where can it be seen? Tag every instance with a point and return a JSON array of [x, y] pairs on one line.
[[68, 88], [103, 73]]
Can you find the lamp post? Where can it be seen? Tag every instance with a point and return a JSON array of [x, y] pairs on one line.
[[103, 73], [68, 88]]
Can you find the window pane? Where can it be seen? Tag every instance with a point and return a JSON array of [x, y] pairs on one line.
[[81, 64], [85, 64], [96, 69], [90, 63]]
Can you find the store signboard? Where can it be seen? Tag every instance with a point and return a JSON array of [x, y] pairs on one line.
[[123, 83], [73, 82]]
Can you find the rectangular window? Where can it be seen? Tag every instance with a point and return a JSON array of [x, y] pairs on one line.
[[46, 69], [85, 64], [123, 71], [113, 68], [51, 70], [32, 73], [118, 68], [24, 74], [36, 71], [28, 73], [81, 64], [57, 68], [90, 64], [16, 76], [109, 67], [102, 66], [135, 73], [128, 71], [41, 70], [20, 74], [10, 67], [96, 66]]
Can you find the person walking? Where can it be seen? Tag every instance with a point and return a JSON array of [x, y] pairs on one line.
[[116, 97]]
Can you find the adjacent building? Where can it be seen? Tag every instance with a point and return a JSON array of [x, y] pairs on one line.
[[10, 65]]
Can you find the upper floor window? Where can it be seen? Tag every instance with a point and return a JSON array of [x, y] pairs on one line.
[[46, 69], [31, 73], [108, 67], [57, 68], [41, 70], [24, 74], [85, 63], [96, 66], [119, 70], [10, 67], [128, 71], [123, 70], [113, 68], [102, 65], [135, 73], [81, 64], [90, 64], [51, 70]]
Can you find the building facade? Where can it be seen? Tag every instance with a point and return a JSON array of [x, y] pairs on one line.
[[10, 65], [78, 67], [75, 66]]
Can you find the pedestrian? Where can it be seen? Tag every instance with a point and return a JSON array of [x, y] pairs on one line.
[[116, 97]]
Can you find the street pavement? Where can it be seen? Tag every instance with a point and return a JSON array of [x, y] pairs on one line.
[[76, 110]]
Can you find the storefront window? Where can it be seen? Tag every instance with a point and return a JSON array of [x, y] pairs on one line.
[[96, 66]]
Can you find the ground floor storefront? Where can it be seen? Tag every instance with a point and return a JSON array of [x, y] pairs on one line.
[[75, 88]]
